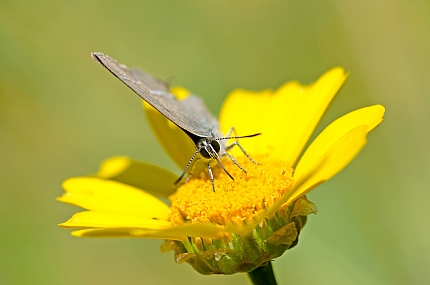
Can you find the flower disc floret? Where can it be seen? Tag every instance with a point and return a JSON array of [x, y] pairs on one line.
[[235, 206], [239, 202]]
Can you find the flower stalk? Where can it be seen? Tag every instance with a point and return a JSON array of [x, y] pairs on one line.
[[263, 275]]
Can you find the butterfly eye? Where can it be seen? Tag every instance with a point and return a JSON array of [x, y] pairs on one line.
[[215, 145], [205, 153], [212, 146]]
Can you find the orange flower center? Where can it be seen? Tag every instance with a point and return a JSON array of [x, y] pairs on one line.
[[236, 201]]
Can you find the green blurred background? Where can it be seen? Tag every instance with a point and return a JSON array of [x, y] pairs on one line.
[[62, 113]]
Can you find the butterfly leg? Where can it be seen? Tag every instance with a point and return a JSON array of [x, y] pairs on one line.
[[235, 162], [227, 148], [211, 176], [186, 169]]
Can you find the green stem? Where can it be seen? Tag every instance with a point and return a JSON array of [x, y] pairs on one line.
[[263, 275]]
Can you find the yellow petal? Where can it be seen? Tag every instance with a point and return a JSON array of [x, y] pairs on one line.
[[369, 116], [172, 233], [91, 219], [336, 158], [139, 174], [332, 161], [286, 117], [112, 197], [194, 230], [174, 141], [107, 233], [247, 112]]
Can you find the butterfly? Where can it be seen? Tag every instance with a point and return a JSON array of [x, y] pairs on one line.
[[189, 114]]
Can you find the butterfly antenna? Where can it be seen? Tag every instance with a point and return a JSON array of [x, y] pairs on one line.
[[238, 137], [237, 143]]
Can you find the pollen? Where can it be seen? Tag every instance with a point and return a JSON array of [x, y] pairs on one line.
[[232, 202]]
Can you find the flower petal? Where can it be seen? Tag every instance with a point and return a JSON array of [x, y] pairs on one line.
[[336, 158], [286, 117], [106, 233], [174, 233], [174, 141], [91, 219], [139, 174], [247, 112], [195, 230], [112, 197], [369, 116]]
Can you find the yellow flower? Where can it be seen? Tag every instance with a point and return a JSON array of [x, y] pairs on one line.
[[246, 222]]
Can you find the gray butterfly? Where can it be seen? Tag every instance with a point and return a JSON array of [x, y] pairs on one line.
[[189, 114]]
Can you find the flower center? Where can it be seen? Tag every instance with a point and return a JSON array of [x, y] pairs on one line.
[[236, 201]]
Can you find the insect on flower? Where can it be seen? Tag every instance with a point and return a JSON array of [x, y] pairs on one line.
[[243, 225], [189, 114]]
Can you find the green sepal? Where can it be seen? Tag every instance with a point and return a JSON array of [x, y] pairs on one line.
[[244, 253]]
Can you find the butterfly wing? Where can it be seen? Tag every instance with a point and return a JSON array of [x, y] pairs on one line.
[[190, 114], [149, 80]]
